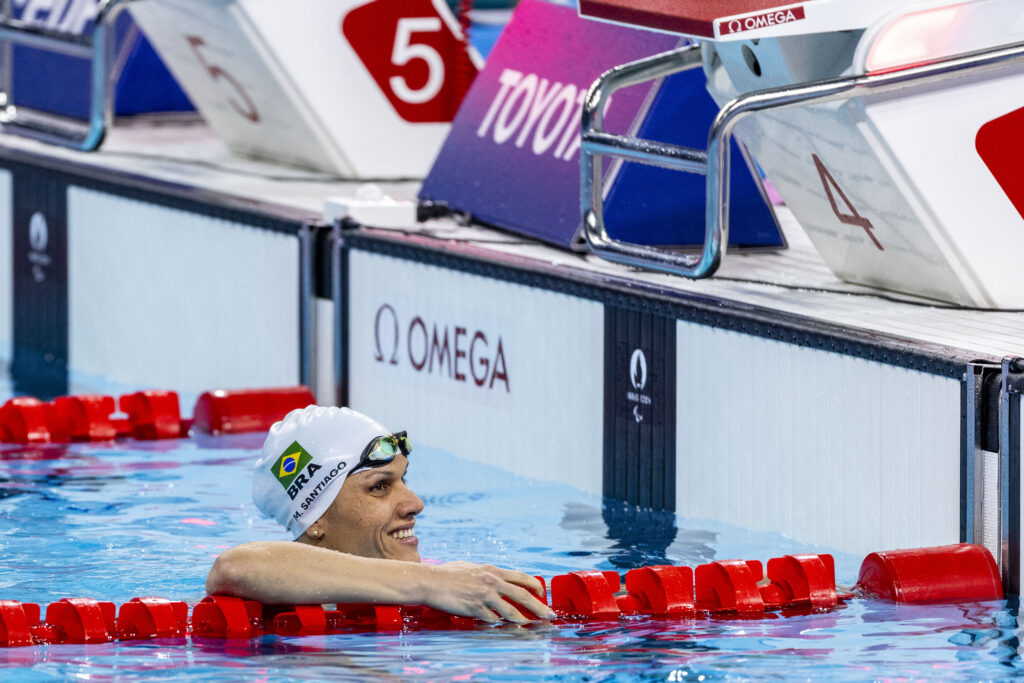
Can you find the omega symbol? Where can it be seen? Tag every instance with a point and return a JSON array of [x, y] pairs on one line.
[[380, 355]]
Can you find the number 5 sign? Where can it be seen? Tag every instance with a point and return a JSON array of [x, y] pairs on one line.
[[416, 53]]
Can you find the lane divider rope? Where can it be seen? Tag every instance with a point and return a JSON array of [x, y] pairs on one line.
[[724, 589], [146, 415]]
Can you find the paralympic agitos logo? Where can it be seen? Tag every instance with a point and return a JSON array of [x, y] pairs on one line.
[[456, 352]]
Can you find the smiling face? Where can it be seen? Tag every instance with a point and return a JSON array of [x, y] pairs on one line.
[[372, 515]]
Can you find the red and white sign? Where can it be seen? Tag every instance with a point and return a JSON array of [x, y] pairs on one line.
[[1000, 143], [417, 55], [763, 20]]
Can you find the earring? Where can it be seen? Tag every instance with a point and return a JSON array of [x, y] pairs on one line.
[[315, 534]]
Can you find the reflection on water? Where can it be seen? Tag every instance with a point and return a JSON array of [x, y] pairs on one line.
[[629, 536]]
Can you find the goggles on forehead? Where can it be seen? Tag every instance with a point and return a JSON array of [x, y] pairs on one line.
[[383, 449]]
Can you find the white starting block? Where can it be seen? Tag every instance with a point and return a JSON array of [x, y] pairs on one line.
[[892, 129], [362, 88]]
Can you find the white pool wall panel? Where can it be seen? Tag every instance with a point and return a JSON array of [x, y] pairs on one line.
[[7, 268], [827, 448], [167, 298], [544, 423]]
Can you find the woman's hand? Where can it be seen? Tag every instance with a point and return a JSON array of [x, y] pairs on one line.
[[479, 590]]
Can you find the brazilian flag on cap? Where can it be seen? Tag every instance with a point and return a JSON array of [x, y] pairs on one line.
[[292, 461]]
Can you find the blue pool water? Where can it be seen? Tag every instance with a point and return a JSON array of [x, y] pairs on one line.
[[117, 521]]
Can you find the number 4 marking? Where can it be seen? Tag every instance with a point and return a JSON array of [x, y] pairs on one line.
[[852, 218]]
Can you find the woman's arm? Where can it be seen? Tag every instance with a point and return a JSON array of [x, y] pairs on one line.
[[283, 572]]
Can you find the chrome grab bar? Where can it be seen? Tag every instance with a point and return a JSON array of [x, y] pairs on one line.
[[715, 162], [56, 129], [595, 144]]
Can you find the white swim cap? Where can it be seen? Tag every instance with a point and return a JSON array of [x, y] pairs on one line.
[[305, 460]]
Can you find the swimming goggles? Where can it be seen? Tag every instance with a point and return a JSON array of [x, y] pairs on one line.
[[383, 449]]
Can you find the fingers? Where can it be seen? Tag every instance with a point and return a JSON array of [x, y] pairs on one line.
[[528, 582], [521, 589], [507, 611], [484, 590], [486, 614], [523, 598], [500, 588], [527, 601]]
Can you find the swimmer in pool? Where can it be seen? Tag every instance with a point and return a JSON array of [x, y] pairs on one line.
[[335, 479]]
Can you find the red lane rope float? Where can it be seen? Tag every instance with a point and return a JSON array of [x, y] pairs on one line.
[[804, 580], [79, 620], [24, 420], [587, 593], [723, 588], [142, 618], [16, 623], [89, 417], [154, 415], [925, 575], [729, 586], [664, 591], [148, 415], [222, 616], [247, 410]]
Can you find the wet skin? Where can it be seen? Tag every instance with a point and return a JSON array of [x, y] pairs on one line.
[[372, 505]]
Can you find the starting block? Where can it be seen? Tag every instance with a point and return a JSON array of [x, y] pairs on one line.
[[828, 96], [356, 88]]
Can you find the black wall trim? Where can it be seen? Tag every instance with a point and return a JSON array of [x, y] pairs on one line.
[[40, 283], [640, 408], [774, 325], [969, 442], [1013, 497], [256, 217], [340, 290], [323, 274]]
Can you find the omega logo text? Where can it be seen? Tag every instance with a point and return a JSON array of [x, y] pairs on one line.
[[763, 20], [455, 352]]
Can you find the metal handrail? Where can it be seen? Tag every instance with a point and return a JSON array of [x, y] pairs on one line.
[[55, 129], [715, 162]]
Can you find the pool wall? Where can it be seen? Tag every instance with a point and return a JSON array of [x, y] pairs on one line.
[[145, 286], [849, 443], [222, 294], [498, 372], [832, 435], [832, 445]]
